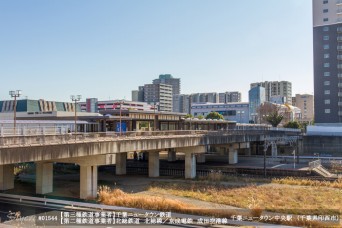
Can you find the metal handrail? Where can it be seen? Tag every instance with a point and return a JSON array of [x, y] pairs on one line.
[[315, 164]]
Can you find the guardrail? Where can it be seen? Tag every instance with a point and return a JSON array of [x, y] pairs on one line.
[[68, 138], [139, 213], [24, 131], [49, 136], [72, 204], [29, 131]]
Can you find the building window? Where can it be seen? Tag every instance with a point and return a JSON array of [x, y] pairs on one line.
[[326, 56], [325, 1], [326, 46], [326, 74], [325, 11], [325, 29], [327, 101], [327, 110], [326, 64], [325, 37], [326, 83], [326, 92], [325, 19]]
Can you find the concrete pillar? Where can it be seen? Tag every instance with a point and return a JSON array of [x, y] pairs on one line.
[[88, 181], [6, 177], [200, 158], [120, 163], [153, 164], [190, 166], [248, 151], [233, 155], [274, 150], [44, 178], [171, 155], [254, 149]]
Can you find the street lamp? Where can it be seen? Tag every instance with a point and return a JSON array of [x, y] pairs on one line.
[[156, 104], [120, 127], [15, 94], [75, 98]]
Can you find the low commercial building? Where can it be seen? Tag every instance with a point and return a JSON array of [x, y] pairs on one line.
[[238, 112], [93, 105], [35, 109]]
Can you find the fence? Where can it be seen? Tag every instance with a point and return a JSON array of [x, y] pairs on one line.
[[225, 172], [24, 131]]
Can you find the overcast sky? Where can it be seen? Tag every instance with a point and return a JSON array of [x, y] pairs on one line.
[[105, 49]]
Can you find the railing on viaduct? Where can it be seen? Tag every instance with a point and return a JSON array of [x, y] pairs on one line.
[[52, 135]]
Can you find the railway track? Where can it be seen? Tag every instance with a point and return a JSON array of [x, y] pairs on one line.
[[231, 172]]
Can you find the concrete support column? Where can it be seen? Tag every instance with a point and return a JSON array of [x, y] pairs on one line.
[[200, 158], [88, 181], [44, 178], [190, 166], [120, 163], [153, 164], [248, 151], [6, 177], [254, 149], [171, 155], [274, 150], [233, 155]]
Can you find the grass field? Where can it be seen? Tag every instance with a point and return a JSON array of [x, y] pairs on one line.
[[305, 198], [285, 199]]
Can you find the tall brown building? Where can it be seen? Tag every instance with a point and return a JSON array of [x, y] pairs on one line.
[[306, 104]]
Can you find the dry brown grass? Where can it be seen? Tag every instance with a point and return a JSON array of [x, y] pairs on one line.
[[305, 182], [284, 199], [218, 176], [119, 198]]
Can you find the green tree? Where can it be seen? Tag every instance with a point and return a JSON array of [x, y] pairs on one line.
[[274, 118], [188, 116], [214, 116], [200, 117], [270, 113], [293, 124]]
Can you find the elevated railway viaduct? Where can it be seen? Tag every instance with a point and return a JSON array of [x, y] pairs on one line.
[[90, 150]]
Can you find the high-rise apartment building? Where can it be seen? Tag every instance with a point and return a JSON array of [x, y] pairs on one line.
[[229, 97], [169, 80], [159, 93], [138, 95], [205, 97], [276, 88], [181, 103], [327, 41]]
